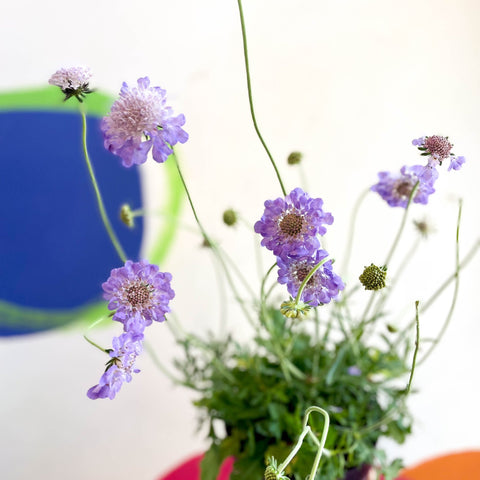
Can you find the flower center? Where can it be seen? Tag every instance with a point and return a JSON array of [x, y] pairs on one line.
[[291, 224], [403, 188], [138, 294], [302, 273], [438, 146]]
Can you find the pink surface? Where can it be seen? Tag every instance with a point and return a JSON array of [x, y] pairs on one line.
[[190, 470]]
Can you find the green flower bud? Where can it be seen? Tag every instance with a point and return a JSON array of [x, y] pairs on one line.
[[391, 328], [290, 310], [126, 215], [270, 473], [294, 158], [229, 217], [373, 277]]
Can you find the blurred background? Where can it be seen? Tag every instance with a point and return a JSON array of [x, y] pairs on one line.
[[347, 83]]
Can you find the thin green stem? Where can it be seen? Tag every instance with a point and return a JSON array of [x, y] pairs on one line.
[[351, 232], [320, 444], [307, 278], [295, 449], [101, 206], [402, 224], [91, 342], [455, 291], [158, 364], [250, 97], [212, 244]]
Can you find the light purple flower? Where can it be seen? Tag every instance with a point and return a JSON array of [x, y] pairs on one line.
[[354, 371], [438, 149], [395, 188], [120, 368], [290, 226], [139, 121], [456, 163], [139, 293], [73, 81], [322, 287]]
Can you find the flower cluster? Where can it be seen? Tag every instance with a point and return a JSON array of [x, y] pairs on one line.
[[290, 228], [138, 293], [396, 188], [139, 121]]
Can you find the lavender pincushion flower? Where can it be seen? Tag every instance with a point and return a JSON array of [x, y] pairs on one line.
[[322, 287], [72, 81], [438, 149], [139, 293], [120, 368], [290, 226], [139, 121], [395, 188]]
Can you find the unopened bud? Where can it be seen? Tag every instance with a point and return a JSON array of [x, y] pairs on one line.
[[229, 217], [126, 215], [292, 310], [373, 277], [294, 158]]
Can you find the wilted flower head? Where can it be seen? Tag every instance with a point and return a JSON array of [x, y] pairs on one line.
[[290, 226], [73, 81], [322, 287], [120, 368], [396, 188], [139, 121], [139, 293]]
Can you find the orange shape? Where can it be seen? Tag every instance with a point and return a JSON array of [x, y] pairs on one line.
[[455, 466]]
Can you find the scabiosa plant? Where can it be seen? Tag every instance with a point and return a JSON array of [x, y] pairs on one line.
[[396, 188], [138, 293], [139, 121], [73, 82], [438, 149], [290, 226], [120, 367], [322, 287]]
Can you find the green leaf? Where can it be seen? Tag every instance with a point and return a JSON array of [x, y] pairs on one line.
[[211, 462]]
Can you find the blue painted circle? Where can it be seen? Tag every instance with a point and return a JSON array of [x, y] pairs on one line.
[[54, 250]]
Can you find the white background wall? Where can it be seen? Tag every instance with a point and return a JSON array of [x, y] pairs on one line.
[[349, 83]]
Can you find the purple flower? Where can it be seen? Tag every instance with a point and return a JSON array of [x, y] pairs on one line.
[[139, 293], [139, 121], [395, 189], [290, 226], [322, 287], [73, 81], [354, 371], [438, 149], [456, 163], [126, 349]]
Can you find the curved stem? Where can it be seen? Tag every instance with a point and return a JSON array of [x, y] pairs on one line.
[[307, 278], [402, 225], [351, 231], [320, 444], [250, 98], [455, 292], [212, 244], [101, 206]]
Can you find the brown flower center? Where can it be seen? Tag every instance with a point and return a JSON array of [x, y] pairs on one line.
[[291, 224], [138, 294], [403, 189]]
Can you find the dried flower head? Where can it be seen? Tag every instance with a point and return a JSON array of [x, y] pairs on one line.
[[290, 226], [138, 293], [139, 121], [373, 277]]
